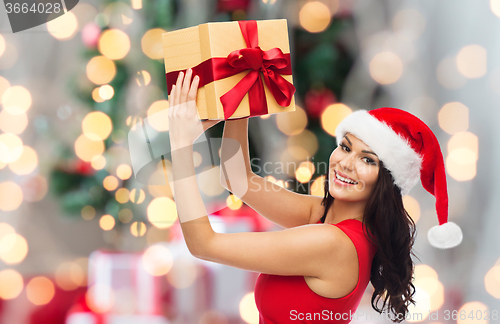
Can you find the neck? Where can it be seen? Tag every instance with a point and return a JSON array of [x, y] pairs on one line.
[[342, 210]]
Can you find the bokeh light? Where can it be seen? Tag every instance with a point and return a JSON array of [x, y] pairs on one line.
[[11, 196], [248, 310], [101, 70], [479, 311], [10, 123], [292, 123], [98, 162], [123, 171], [462, 156], [110, 183], [26, 163], [386, 67], [412, 207], [332, 116], [448, 75], [2, 46], [122, 195], [88, 212], [87, 146], [96, 96], [125, 215], [16, 100], [34, 188], [4, 85], [107, 222], [97, 123], [152, 44], [137, 196], [70, 275], [63, 27], [138, 229], [318, 186], [233, 202], [162, 212], [454, 117], [160, 121], [492, 281], [143, 78], [40, 290], [106, 92], [315, 16], [114, 44], [11, 284], [183, 273], [471, 61], [302, 146], [14, 248], [157, 260], [409, 24], [11, 147]]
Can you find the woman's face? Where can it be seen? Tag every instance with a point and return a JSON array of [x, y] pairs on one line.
[[353, 170]]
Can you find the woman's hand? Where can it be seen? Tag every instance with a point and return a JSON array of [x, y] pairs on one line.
[[185, 127]]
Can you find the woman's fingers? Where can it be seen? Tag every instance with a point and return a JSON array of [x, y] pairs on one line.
[[194, 89], [185, 86], [171, 97], [178, 87]]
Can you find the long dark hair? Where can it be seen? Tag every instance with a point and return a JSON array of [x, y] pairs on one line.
[[394, 234]]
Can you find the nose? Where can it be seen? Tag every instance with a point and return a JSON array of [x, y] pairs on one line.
[[346, 163]]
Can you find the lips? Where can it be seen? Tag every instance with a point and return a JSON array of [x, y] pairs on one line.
[[343, 179]]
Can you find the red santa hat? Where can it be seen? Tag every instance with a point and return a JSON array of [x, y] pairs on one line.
[[409, 150]]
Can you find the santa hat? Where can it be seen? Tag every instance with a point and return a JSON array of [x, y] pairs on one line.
[[409, 150]]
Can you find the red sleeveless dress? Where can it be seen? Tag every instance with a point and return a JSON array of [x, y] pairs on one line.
[[288, 299]]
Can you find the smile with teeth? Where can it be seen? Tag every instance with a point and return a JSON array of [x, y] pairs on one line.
[[349, 181]]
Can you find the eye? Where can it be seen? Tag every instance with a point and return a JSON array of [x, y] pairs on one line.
[[345, 148], [369, 161]]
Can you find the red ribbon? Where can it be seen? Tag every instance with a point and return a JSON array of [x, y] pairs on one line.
[[272, 64]]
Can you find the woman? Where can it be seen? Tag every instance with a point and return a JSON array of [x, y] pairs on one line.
[[314, 272]]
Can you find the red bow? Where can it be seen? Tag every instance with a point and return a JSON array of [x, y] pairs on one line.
[[272, 63]]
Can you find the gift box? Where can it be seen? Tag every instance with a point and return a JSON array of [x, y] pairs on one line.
[[244, 67]]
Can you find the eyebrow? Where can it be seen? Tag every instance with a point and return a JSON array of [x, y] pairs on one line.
[[364, 151]]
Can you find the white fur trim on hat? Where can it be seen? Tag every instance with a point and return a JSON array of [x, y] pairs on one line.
[[394, 151], [445, 236]]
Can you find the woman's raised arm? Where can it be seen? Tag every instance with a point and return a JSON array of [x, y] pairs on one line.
[[279, 205]]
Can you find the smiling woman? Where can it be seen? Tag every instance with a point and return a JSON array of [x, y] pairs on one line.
[[311, 266]]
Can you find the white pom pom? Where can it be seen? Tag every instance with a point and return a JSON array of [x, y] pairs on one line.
[[445, 236]]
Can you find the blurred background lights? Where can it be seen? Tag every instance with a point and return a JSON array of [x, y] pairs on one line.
[[70, 275], [88, 145], [26, 163], [13, 123], [157, 260], [412, 206], [292, 123], [15, 250], [332, 116], [34, 188], [11, 147], [40, 290], [11, 284], [302, 146], [448, 75], [318, 186], [98, 162], [63, 27], [137, 196], [479, 311], [2, 45], [110, 183], [114, 44], [409, 24], [420, 311], [106, 92], [495, 7], [123, 171], [96, 96], [160, 120], [136, 4], [4, 85], [233, 202], [97, 123], [107, 222], [304, 172], [471, 61], [386, 67], [183, 273], [315, 16], [162, 212], [152, 44], [122, 195], [88, 212], [143, 78], [492, 281], [138, 229], [248, 310], [16, 100], [462, 156], [125, 215], [454, 117], [100, 70], [11, 196]]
